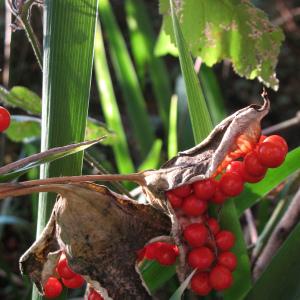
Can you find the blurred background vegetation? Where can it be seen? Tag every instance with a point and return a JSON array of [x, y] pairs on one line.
[[154, 127]]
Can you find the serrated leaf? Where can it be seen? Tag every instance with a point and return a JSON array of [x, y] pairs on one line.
[[232, 29], [21, 97], [23, 128]]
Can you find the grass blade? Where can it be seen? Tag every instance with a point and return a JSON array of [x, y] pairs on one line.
[[68, 54], [142, 44], [172, 138], [135, 104], [200, 117], [153, 158], [110, 106]]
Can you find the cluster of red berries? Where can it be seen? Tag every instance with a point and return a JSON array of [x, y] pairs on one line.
[[53, 287], [208, 246], [4, 119]]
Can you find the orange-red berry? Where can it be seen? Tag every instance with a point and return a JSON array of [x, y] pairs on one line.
[[52, 288], [200, 284], [201, 258], [196, 234], [220, 278]]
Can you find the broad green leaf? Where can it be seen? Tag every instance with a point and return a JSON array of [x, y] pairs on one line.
[[200, 117], [253, 192], [23, 128], [21, 97], [232, 29], [142, 39], [281, 278], [153, 158], [127, 78], [156, 275], [110, 106], [16, 168], [164, 45]]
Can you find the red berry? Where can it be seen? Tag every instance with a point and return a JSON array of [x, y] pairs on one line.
[[225, 240], [231, 184], [93, 295], [152, 250], [52, 288], [166, 254], [4, 119], [219, 197], [193, 207], [220, 278], [201, 258], [73, 283], [270, 155], [196, 234], [175, 201], [182, 191], [262, 138], [253, 165], [63, 268], [200, 284], [228, 260], [279, 141], [213, 225], [205, 189], [238, 167]]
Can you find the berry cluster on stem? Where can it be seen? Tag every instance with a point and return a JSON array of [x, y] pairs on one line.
[[209, 246]]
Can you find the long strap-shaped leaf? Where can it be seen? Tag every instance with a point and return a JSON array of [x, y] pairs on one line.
[[202, 125], [69, 27], [127, 79]]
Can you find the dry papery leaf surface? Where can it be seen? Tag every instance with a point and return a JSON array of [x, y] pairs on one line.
[[100, 231]]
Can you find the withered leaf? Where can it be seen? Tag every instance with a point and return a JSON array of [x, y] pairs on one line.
[[100, 232], [202, 161]]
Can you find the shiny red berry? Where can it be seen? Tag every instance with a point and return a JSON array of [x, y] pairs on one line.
[[201, 258], [193, 207], [277, 140], [220, 278], [167, 254], [225, 240], [270, 155], [213, 225], [253, 165], [228, 260], [140, 254], [52, 288], [231, 184], [175, 201], [73, 283], [151, 250], [196, 234], [205, 189], [182, 191], [93, 295], [238, 167], [200, 284], [4, 119], [63, 268], [262, 138], [219, 197]]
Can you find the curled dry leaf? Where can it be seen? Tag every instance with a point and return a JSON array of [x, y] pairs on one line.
[[100, 231], [203, 160]]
